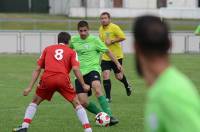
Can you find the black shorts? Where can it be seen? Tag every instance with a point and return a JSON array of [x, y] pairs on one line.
[[88, 78], [108, 65]]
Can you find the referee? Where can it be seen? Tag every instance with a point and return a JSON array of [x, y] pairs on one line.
[[112, 36]]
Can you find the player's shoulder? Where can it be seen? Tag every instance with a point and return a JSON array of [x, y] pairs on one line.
[[75, 37], [101, 28], [93, 37], [113, 25]]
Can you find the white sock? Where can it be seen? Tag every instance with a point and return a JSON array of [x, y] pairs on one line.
[[82, 115], [29, 114]]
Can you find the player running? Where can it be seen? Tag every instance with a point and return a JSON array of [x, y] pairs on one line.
[[89, 49], [112, 36], [173, 103], [57, 61]]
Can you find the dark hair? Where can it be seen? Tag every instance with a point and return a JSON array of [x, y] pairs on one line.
[[105, 13], [64, 37], [83, 24], [152, 36]]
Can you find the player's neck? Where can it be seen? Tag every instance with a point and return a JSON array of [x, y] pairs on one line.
[[61, 44], [155, 68], [105, 26], [84, 37]]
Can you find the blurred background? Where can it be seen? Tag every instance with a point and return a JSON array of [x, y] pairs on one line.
[[36, 22]]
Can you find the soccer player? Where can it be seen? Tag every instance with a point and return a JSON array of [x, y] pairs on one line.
[[173, 103], [89, 49], [57, 61], [112, 36]]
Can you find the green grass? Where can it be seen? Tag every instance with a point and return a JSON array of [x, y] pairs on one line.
[[58, 115], [65, 23]]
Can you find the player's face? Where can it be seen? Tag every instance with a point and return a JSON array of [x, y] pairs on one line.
[[105, 20], [83, 32]]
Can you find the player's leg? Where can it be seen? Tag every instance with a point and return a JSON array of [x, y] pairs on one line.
[[82, 115], [45, 90], [83, 98], [106, 69], [68, 92], [29, 114], [96, 85], [122, 78]]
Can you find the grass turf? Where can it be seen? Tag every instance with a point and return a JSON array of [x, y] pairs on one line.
[[65, 23], [58, 115]]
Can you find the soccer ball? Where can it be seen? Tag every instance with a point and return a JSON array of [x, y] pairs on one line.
[[102, 119]]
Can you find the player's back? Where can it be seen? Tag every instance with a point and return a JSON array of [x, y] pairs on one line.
[[57, 59]]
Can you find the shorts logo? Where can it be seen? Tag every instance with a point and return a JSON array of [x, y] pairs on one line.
[[95, 76]]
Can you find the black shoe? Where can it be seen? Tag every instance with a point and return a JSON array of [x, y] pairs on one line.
[[113, 121], [128, 90], [20, 129]]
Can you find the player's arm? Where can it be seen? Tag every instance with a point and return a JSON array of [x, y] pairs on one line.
[[101, 47], [75, 67], [79, 76], [36, 73], [35, 76], [113, 58]]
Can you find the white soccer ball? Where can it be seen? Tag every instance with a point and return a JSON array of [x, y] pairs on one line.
[[102, 119]]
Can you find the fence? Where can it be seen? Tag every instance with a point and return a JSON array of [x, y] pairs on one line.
[[36, 41]]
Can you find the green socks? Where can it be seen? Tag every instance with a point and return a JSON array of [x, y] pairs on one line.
[[104, 105], [93, 108]]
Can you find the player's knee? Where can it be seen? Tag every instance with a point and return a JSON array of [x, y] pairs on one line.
[[119, 76], [37, 100], [84, 104], [98, 92], [106, 75]]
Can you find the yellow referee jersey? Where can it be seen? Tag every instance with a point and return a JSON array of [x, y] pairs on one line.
[[112, 31]]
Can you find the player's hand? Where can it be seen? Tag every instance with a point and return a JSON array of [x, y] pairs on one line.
[[27, 91], [108, 42], [86, 87]]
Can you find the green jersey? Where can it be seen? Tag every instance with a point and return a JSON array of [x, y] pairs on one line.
[[173, 104], [197, 31], [89, 51]]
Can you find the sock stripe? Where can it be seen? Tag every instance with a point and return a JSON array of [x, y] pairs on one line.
[[78, 107], [85, 126], [27, 120]]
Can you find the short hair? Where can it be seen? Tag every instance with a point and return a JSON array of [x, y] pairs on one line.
[[105, 13], [151, 34], [64, 37], [83, 24]]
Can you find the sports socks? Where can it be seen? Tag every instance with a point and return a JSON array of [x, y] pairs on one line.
[[81, 113], [29, 114], [107, 88], [93, 108], [124, 81], [104, 105]]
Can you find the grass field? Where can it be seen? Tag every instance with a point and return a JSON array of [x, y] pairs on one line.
[[45, 22], [57, 115]]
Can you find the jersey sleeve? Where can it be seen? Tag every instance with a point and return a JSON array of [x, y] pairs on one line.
[[71, 44], [41, 60], [118, 32], [74, 59], [101, 47]]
